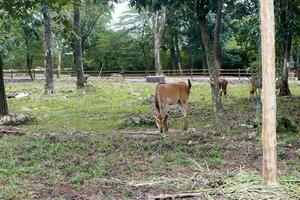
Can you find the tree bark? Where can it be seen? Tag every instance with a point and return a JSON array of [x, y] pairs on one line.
[[157, 28], [3, 102], [78, 46], [217, 56], [286, 44], [178, 55], [59, 64], [267, 26], [212, 54], [29, 59], [157, 53], [58, 46], [49, 85], [204, 62], [142, 45], [173, 56]]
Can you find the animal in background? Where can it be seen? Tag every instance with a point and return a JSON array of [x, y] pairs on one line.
[[255, 83], [168, 94], [222, 85]]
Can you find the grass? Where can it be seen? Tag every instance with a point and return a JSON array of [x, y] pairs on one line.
[[80, 144]]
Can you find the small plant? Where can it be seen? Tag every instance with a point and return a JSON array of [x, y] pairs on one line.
[[79, 179], [281, 152], [285, 124], [215, 158]]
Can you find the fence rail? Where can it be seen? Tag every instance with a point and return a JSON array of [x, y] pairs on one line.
[[36, 73]]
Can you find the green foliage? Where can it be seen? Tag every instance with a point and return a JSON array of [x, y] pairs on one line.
[[286, 124]]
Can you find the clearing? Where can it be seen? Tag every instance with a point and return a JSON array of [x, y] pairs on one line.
[[101, 143]]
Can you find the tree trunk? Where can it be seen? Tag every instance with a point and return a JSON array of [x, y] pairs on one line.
[[59, 58], [157, 55], [173, 56], [178, 55], [217, 56], [29, 59], [204, 62], [157, 28], [59, 65], [286, 44], [213, 60], [78, 47], [284, 89], [49, 86], [212, 64], [142, 45], [268, 92], [3, 102]]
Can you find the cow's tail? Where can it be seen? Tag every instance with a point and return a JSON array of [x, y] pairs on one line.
[[189, 84]]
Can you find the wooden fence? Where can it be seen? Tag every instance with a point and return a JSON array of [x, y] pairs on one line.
[[38, 73]]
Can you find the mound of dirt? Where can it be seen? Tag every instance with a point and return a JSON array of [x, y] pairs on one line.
[[19, 119]]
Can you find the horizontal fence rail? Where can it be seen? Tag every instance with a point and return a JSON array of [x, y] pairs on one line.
[[39, 73]]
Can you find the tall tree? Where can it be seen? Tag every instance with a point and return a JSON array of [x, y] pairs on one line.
[[267, 26], [3, 102], [212, 48], [78, 46], [178, 54], [174, 24], [157, 25], [30, 28], [286, 33], [49, 84]]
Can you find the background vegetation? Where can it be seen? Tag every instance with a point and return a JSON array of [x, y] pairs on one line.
[[128, 44]]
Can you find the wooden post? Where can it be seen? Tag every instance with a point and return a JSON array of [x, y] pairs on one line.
[[191, 73], [11, 73], [269, 142], [239, 74], [34, 73]]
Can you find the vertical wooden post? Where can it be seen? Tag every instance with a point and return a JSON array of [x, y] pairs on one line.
[[269, 142], [239, 74], [191, 73], [11, 73]]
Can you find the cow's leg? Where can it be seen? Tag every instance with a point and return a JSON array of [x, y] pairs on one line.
[[165, 111], [166, 122], [184, 108], [225, 89]]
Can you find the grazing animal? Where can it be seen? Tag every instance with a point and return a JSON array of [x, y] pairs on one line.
[[170, 94], [222, 85]]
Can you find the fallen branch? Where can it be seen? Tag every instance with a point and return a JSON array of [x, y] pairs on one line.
[[10, 132], [174, 196]]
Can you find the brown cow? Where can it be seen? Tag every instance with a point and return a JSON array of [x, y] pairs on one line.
[[222, 85], [170, 94]]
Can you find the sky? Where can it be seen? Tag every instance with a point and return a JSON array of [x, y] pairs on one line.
[[119, 9]]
